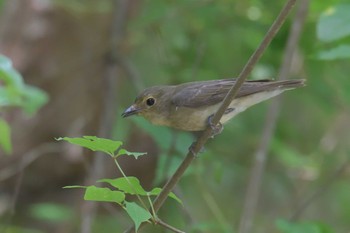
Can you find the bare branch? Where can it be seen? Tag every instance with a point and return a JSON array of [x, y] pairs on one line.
[[253, 190]]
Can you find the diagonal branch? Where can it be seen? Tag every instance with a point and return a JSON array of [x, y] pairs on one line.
[[253, 190], [169, 186]]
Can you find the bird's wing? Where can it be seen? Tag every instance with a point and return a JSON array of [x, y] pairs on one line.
[[199, 94]]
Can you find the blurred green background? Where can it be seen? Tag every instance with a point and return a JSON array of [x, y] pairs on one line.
[[70, 49]]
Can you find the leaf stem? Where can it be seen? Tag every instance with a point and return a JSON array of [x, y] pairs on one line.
[[127, 179], [169, 227]]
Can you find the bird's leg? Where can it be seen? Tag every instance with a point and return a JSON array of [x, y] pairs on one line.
[[216, 129]]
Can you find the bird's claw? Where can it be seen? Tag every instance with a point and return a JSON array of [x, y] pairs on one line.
[[216, 129], [191, 149]]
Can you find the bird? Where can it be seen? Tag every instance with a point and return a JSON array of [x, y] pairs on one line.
[[190, 106]]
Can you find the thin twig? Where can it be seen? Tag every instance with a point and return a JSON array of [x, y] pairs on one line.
[[169, 186], [129, 183], [121, 10], [169, 227], [254, 184]]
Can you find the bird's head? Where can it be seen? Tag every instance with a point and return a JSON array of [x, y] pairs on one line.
[[149, 102]]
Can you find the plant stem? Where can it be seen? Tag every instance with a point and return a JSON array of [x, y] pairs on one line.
[[127, 179], [169, 227]]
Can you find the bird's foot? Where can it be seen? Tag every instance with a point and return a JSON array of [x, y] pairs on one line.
[[216, 129], [191, 149]]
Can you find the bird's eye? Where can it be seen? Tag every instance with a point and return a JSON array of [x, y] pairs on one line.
[[150, 101]]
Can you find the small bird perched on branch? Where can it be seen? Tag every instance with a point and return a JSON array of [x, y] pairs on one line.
[[190, 106]]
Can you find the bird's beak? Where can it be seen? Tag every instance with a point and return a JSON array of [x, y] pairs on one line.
[[132, 110]]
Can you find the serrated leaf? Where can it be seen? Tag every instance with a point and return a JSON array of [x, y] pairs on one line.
[[135, 154], [129, 185], [334, 23], [5, 137], [156, 191], [137, 213], [94, 143], [339, 52], [93, 193]]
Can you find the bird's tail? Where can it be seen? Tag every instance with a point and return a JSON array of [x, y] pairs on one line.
[[289, 84]]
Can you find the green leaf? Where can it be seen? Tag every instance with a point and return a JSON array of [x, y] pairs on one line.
[[156, 191], [51, 212], [5, 137], [15, 93], [334, 23], [94, 143], [94, 193], [135, 154], [137, 213], [339, 52], [128, 184]]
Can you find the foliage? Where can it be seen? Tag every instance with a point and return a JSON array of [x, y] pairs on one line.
[[126, 185], [14, 92], [332, 26]]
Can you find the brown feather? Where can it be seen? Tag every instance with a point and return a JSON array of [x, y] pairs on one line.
[[204, 93]]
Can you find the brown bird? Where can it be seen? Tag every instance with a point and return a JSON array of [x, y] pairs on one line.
[[190, 106]]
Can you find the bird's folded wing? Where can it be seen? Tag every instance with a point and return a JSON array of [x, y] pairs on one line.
[[200, 94]]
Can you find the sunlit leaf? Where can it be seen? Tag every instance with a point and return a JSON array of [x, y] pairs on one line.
[[128, 184], [93, 193], [94, 143]]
